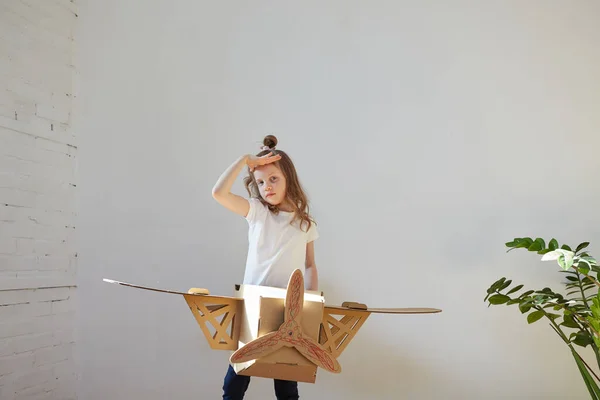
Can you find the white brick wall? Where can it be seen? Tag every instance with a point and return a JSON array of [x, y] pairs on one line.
[[38, 260]]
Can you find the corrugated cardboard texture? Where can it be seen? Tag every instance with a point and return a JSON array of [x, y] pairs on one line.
[[263, 313]]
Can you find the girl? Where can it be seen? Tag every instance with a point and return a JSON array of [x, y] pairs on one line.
[[281, 234]]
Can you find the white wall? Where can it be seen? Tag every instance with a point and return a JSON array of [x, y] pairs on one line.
[[38, 153], [427, 135]]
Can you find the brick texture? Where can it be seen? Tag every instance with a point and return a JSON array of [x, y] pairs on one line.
[[38, 150]]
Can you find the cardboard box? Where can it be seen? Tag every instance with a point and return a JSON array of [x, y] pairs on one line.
[[263, 312]]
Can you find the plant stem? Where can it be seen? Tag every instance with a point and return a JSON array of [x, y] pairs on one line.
[[586, 275], [586, 364], [564, 338], [581, 288], [582, 323], [596, 352], [584, 298], [585, 323], [556, 327], [587, 378]]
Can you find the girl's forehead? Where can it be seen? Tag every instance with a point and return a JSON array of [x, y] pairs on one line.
[[264, 171]]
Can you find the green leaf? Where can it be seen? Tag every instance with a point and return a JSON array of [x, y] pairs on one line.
[[569, 322], [535, 246], [515, 289], [539, 300], [527, 293], [589, 286], [513, 243], [585, 264], [513, 301], [499, 299], [582, 339], [520, 243], [579, 307], [496, 284], [563, 257], [568, 272], [572, 279], [590, 260], [572, 335], [593, 320], [534, 316], [525, 306], [565, 260], [572, 285], [582, 246], [553, 244], [565, 247], [505, 285], [526, 241]]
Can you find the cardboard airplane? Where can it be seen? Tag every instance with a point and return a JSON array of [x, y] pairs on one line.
[[279, 333]]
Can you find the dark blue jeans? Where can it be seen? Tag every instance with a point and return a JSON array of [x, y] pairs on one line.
[[235, 386]]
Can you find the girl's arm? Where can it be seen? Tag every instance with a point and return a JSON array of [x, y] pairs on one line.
[[222, 189], [311, 276], [221, 192]]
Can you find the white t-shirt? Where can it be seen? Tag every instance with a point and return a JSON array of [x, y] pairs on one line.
[[275, 247]]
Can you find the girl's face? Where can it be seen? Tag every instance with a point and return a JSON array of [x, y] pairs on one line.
[[271, 183]]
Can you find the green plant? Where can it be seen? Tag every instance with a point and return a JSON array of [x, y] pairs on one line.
[[575, 316]]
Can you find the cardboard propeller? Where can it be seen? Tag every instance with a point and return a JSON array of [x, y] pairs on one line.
[[289, 334], [278, 333]]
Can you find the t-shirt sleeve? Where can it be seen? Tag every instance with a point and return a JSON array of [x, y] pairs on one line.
[[312, 234], [256, 208]]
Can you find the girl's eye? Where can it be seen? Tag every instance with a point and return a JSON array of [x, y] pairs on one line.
[[273, 179], [260, 183]]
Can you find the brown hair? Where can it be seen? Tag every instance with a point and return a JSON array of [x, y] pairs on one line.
[[294, 191]]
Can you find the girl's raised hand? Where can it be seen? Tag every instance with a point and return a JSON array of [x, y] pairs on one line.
[[253, 161]]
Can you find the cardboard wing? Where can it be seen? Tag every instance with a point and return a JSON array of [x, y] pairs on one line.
[[217, 316], [278, 333]]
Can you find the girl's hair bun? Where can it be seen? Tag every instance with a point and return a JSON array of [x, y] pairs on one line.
[[270, 141]]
